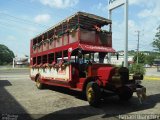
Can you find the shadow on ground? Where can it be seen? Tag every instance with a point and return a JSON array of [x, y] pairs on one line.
[[9, 106], [66, 91], [110, 107]]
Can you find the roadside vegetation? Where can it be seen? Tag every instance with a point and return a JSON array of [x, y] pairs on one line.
[[146, 57], [6, 55], [156, 41]]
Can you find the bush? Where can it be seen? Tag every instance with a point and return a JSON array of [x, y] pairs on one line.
[[137, 69], [141, 58], [150, 59]]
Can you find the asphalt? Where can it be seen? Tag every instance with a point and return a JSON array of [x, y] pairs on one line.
[[20, 98], [152, 74]]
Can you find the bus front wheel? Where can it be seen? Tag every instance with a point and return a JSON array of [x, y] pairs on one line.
[[93, 93]]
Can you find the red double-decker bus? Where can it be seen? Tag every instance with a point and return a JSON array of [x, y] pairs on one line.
[[71, 54]]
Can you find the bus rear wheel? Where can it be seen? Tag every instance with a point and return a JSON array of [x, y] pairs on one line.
[[93, 94], [39, 85]]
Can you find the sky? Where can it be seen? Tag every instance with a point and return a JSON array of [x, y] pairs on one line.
[[21, 20]]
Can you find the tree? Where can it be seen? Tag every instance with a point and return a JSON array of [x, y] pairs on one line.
[[156, 42], [150, 59], [141, 58], [6, 55]]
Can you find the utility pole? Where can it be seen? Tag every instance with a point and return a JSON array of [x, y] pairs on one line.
[[138, 33]]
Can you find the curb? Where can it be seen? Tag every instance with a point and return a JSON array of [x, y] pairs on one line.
[[14, 68], [151, 77]]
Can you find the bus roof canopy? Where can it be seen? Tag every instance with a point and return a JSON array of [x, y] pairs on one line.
[[86, 19]]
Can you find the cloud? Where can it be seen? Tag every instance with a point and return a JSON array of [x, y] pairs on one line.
[[61, 4], [131, 23], [101, 7], [147, 21], [42, 18], [132, 26], [150, 12], [150, 19], [145, 13], [138, 2], [11, 37], [134, 2]]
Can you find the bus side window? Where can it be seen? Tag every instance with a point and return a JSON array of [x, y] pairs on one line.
[[44, 59], [50, 58], [58, 56], [34, 60], [39, 60], [65, 55]]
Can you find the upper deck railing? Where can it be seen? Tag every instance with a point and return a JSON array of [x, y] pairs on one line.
[[80, 27]]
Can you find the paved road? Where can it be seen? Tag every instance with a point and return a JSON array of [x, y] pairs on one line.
[[152, 72], [19, 97]]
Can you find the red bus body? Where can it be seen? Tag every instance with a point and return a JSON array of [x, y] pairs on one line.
[[55, 55]]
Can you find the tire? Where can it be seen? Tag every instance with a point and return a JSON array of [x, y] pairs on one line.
[[39, 85], [125, 93], [93, 94]]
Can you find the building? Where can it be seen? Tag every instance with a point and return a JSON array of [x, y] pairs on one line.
[[120, 60], [20, 61]]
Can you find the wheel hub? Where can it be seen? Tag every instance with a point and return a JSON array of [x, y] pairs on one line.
[[90, 94]]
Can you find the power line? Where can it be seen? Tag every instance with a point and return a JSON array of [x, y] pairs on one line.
[[13, 26], [21, 2], [23, 20], [15, 21]]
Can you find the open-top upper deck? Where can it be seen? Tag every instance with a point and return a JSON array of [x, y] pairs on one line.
[[85, 19], [79, 30]]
